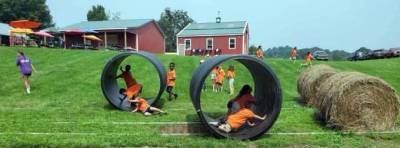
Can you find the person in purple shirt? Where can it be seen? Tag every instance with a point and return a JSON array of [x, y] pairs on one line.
[[25, 65]]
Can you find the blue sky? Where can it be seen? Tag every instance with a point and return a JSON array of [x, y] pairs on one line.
[[332, 24]]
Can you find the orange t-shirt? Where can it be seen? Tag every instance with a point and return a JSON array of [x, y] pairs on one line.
[[220, 76], [236, 120], [244, 100], [231, 74], [309, 57], [171, 75], [129, 80], [142, 105], [133, 90], [293, 53], [259, 53]]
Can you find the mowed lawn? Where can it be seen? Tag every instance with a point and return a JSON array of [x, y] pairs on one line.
[[67, 108]]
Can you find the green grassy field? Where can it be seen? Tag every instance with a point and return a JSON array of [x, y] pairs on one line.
[[67, 108]]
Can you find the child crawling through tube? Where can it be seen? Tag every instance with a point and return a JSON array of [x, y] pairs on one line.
[[133, 91], [240, 111], [141, 104]]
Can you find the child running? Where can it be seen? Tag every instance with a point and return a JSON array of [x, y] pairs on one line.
[[231, 79], [26, 67], [237, 119], [171, 77], [293, 54], [220, 79], [307, 61]]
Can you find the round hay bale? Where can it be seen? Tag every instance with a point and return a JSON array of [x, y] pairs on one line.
[[309, 83], [357, 102]]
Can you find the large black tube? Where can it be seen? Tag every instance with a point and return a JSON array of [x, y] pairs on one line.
[[109, 84], [267, 93]]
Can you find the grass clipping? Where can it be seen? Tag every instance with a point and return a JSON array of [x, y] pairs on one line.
[[309, 82], [357, 102]]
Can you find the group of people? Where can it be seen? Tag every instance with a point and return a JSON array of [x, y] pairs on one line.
[[134, 90], [218, 77]]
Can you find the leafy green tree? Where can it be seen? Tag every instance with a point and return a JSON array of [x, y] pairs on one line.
[[97, 13], [35, 10], [252, 50], [171, 22]]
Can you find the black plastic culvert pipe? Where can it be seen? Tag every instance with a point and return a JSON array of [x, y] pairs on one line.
[[109, 84], [267, 93]]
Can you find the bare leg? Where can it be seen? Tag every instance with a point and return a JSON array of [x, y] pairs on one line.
[[156, 110], [26, 83]]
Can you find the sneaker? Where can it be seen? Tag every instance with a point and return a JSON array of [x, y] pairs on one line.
[[176, 96], [28, 90]]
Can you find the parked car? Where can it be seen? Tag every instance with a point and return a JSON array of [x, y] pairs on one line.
[[379, 53], [358, 55], [320, 55], [393, 52]]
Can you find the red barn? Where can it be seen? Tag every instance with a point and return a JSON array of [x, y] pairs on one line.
[[141, 34], [214, 38]]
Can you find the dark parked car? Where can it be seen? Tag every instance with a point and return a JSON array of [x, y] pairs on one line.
[[358, 55], [320, 55], [377, 54]]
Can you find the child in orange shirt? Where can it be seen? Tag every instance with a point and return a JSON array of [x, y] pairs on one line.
[[307, 61], [293, 54], [171, 77], [143, 106], [231, 79], [259, 53], [238, 119], [127, 76], [220, 78]]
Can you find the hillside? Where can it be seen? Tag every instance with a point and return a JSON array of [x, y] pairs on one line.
[[67, 108]]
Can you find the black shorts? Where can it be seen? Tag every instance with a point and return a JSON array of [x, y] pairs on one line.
[[169, 89], [27, 74], [148, 110]]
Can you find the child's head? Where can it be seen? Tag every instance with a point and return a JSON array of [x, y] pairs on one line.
[[246, 89], [259, 47], [20, 53], [171, 65], [127, 67]]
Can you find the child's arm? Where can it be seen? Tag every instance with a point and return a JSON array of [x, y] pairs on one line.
[[33, 67], [260, 118], [251, 124], [120, 68], [135, 110]]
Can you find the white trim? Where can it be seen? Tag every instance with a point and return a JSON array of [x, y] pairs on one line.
[[212, 43], [229, 43], [105, 40], [137, 41], [205, 35], [183, 29], [125, 40], [177, 45], [243, 48], [184, 42]]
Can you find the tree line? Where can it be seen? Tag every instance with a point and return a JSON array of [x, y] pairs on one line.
[[284, 51]]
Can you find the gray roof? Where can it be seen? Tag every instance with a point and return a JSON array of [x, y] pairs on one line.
[[213, 29], [5, 29], [105, 25]]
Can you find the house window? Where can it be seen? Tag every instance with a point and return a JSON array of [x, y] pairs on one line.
[[209, 43], [188, 44], [232, 43]]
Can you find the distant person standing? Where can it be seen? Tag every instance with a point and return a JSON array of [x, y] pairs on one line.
[[26, 67], [293, 54], [231, 79], [259, 53], [171, 78]]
